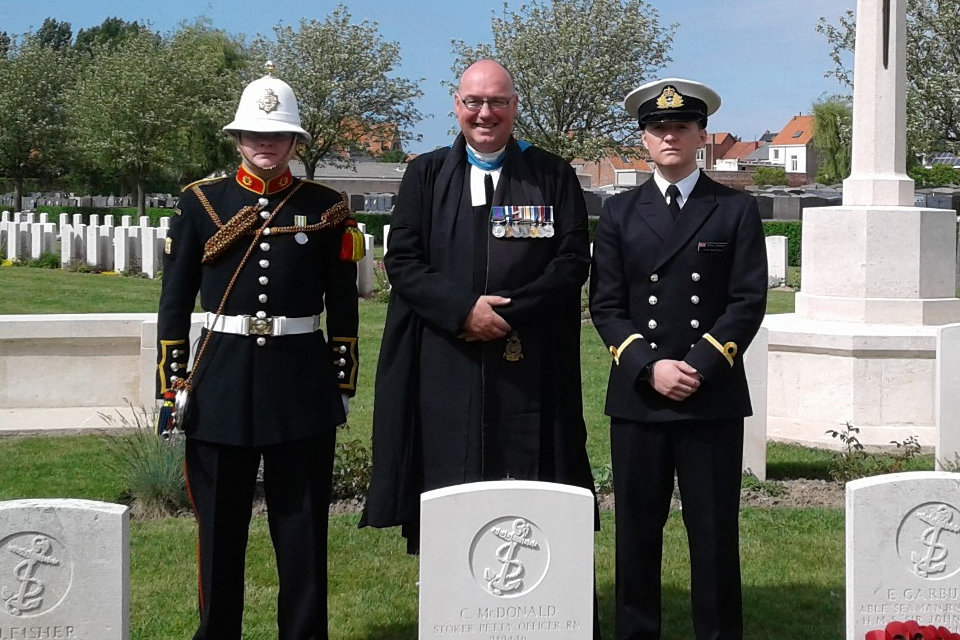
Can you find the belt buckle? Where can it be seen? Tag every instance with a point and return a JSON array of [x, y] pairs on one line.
[[261, 326]]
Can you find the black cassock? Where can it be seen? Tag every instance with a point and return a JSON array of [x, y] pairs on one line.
[[449, 411]]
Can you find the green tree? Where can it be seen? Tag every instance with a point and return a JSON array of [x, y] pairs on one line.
[[342, 74], [34, 78], [393, 155], [933, 70], [939, 175], [832, 129], [135, 106], [774, 176], [573, 62], [54, 34], [206, 148], [5, 44], [107, 34]]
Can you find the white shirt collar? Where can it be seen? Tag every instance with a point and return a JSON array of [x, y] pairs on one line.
[[685, 185]]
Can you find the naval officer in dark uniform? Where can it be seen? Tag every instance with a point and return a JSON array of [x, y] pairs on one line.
[[268, 254], [479, 371], [678, 291]]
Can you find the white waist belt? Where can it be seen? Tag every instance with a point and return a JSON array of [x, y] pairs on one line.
[[254, 326]]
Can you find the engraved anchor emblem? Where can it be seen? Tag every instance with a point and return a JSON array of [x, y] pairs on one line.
[[510, 576], [29, 596], [932, 562]]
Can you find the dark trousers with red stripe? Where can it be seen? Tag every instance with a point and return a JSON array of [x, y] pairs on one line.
[[706, 456], [221, 481]]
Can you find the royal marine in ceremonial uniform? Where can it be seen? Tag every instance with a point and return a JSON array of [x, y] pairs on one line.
[[678, 291], [272, 258]]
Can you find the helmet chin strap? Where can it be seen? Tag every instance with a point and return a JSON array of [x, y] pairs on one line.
[[267, 172]]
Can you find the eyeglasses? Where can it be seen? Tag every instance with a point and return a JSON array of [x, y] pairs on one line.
[[475, 104]]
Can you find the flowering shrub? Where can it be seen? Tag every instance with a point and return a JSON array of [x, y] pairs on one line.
[[911, 630]]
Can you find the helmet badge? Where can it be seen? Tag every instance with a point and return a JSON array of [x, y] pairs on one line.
[[269, 102]]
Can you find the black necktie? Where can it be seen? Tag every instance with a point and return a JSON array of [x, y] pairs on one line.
[[488, 188], [674, 204]]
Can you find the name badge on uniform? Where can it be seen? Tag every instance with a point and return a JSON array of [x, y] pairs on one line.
[[711, 247]]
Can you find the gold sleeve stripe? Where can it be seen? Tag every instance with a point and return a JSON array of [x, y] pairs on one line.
[[161, 366], [616, 351], [728, 350]]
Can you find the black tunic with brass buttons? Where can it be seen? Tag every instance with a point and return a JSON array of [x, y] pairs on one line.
[[256, 390], [692, 290]]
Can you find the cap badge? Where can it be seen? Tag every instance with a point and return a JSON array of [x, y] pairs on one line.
[[269, 102], [669, 98]]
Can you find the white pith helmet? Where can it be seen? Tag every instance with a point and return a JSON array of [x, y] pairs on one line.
[[267, 105]]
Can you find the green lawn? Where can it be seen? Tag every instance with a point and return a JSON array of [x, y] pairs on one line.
[[795, 594], [373, 596]]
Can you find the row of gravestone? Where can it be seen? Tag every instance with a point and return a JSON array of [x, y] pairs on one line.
[[32, 201], [102, 245], [508, 559]]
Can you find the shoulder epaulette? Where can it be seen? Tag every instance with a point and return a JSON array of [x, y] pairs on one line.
[[201, 181]]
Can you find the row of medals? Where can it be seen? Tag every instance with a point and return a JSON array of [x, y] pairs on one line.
[[522, 222]]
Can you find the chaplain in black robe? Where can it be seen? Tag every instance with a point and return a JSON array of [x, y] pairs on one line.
[[448, 410]]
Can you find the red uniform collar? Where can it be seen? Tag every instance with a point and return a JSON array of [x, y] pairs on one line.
[[252, 183]]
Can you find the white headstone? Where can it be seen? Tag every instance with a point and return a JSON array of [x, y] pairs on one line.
[[64, 570], [903, 550], [151, 243], [121, 248], [506, 559], [755, 426], [947, 394], [777, 259], [4, 239], [66, 244], [366, 279], [94, 219], [144, 221], [92, 245], [77, 220], [125, 221], [64, 219]]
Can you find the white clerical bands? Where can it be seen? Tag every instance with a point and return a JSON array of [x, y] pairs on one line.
[[728, 350], [254, 326]]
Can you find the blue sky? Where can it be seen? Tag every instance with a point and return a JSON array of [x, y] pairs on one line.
[[763, 57]]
